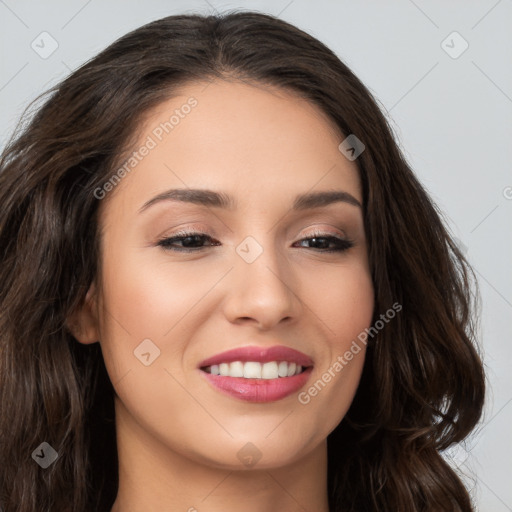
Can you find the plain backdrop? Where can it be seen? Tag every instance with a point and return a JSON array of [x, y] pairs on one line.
[[442, 75]]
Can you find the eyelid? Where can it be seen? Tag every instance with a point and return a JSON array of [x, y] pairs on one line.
[[195, 230], [331, 230], [185, 229], [333, 224]]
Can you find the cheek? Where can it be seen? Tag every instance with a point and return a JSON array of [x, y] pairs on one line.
[[139, 304], [152, 299], [150, 302], [343, 301], [345, 307], [149, 299]]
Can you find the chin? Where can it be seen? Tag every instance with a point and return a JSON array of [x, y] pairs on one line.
[[258, 452]]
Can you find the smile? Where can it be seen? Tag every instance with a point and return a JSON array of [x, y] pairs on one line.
[[256, 374]]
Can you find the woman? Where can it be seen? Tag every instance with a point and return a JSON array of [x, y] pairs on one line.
[[222, 287]]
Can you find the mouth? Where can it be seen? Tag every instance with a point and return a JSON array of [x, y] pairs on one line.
[[256, 374]]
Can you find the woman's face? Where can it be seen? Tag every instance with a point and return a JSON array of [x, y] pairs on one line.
[[261, 277]]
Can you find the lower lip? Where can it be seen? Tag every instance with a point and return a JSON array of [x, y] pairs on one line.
[[259, 390]]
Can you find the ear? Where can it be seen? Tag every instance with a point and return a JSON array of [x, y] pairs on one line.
[[83, 323]]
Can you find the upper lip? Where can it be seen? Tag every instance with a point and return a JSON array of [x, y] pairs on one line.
[[259, 354]]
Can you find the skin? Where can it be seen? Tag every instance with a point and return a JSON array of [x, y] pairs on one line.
[[178, 437]]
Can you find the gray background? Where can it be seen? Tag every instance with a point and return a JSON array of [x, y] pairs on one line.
[[452, 115]]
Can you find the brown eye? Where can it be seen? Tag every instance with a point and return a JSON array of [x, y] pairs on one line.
[[190, 241], [325, 243]]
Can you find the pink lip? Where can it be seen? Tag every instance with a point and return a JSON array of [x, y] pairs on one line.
[[259, 355], [259, 390]]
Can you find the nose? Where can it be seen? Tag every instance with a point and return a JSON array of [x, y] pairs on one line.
[[264, 293]]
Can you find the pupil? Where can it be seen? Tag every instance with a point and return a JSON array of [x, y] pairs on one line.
[[315, 240], [189, 239]]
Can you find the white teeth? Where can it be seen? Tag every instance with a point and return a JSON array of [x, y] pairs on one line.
[[283, 369], [236, 369], [269, 371], [254, 370], [224, 369]]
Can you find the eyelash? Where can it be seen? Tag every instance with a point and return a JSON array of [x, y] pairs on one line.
[[166, 243]]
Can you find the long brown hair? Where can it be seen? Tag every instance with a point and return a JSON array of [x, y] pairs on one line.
[[422, 387]]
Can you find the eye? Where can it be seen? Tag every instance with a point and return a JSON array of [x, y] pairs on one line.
[[323, 240], [191, 241], [194, 241]]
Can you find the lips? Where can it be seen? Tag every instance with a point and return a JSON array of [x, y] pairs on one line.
[[232, 372]]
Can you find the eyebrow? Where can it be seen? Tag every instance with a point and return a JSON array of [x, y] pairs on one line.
[[204, 197]]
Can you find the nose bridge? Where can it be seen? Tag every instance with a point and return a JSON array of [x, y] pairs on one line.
[[263, 287], [261, 262]]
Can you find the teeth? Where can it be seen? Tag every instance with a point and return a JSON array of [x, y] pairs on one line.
[[269, 371], [236, 369], [224, 369], [283, 369], [254, 370]]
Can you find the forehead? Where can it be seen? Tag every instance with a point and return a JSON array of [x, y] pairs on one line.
[[252, 138]]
